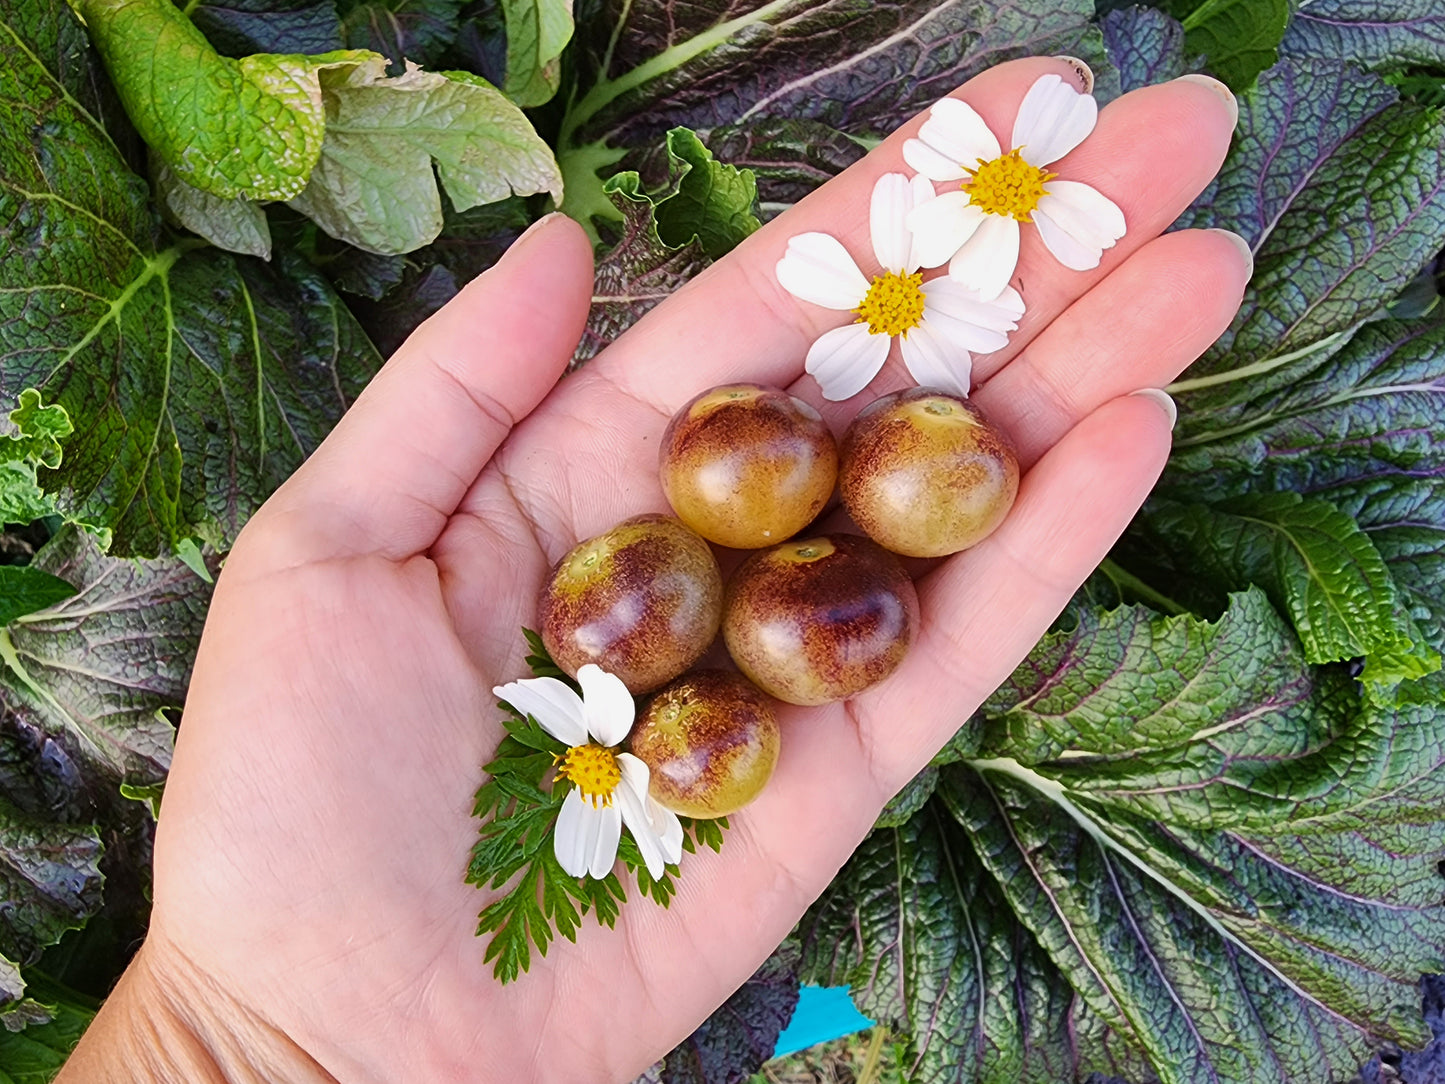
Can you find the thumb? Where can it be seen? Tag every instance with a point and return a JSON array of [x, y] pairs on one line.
[[398, 464]]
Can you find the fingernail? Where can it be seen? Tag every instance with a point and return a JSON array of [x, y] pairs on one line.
[[1218, 88], [1082, 70], [1166, 403], [1241, 244], [536, 227]]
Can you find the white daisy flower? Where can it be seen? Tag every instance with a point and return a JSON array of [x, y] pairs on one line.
[[937, 323], [975, 229], [609, 788]]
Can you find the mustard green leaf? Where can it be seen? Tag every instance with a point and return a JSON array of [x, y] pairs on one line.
[[196, 380], [26, 588], [241, 27], [236, 225], [249, 128], [1237, 38], [35, 1054], [94, 670], [1314, 559], [374, 185], [537, 32], [39, 430], [401, 30], [1381, 34]]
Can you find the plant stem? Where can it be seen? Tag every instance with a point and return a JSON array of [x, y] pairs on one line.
[[1126, 580], [1246, 371], [873, 1059]]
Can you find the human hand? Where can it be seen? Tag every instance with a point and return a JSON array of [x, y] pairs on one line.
[[310, 915]]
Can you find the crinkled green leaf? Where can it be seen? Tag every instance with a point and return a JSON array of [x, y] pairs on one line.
[[863, 70], [926, 940], [21, 498], [95, 670], [374, 186], [651, 65], [1376, 33], [1237, 38], [39, 429], [25, 589], [735, 1040], [236, 225], [706, 209], [1314, 560], [1360, 433], [789, 158], [708, 201], [196, 380], [1145, 44], [248, 128], [1128, 681], [1219, 963], [909, 800], [49, 878], [35, 1055], [1234, 729], [416, 30], [1405, 517], [241, 27], [537, 32], [34, 442], [1340, 189]]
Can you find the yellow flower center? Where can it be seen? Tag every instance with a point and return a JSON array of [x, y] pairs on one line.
[[1007, 186], [593, 770], [893, 304]]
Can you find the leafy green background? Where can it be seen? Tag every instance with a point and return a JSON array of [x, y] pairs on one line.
[[1196, 837]]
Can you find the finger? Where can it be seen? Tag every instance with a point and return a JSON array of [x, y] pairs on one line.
[[734, 322], [1139, 328], [840, 763], [1152, 152], [1146, 155], [985, 609], [405, 454]]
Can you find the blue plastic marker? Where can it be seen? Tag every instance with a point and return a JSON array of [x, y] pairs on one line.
[[824, 1013]]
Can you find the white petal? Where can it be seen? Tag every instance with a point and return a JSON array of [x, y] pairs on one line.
[[931, 165], [934, 362], [987, 261], [941, 226], [953, 300], [668, 829], [887, 220], [953, 136], [578, 833], [1073, 253], [1053, 119], [964, 335], [843, 360], [557, 709], [604, 848], [1010, 302], [1083, 213], [608, 706], [817, 268], [920, 191], [632, 799]]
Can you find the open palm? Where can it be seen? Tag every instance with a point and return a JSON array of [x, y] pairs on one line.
[[317, 823]]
